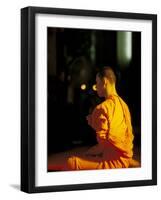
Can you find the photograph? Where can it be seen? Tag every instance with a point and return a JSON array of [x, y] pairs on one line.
[[94, 99]]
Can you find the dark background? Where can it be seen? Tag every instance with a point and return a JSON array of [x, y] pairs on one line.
[[74, 56]]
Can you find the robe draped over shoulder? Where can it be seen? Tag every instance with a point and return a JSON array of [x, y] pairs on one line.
[[112, 122]]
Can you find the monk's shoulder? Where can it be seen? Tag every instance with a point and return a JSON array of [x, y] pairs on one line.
[[126, 106], [106, 105]]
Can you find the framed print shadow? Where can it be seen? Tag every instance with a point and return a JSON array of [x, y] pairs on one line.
[[88, 99]]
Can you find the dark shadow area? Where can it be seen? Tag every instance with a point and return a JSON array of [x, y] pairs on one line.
[[15, 186]]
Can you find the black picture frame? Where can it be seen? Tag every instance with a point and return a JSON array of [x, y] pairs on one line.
[[28, 98]]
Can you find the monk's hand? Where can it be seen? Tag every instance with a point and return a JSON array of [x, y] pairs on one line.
[[94, 151], [101, 138]]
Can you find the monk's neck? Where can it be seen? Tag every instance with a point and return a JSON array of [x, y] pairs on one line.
[[110, 92]]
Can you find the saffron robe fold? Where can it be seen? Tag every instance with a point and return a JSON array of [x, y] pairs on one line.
[[111, 121]]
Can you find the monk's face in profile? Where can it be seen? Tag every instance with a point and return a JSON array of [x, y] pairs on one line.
[[100, 85]]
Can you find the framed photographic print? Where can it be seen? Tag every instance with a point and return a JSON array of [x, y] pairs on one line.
[[88, 99]]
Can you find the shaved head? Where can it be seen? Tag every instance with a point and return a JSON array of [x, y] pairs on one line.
[[107, 72]]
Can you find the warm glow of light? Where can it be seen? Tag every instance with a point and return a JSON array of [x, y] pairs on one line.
[[83, 86], [94, 87]]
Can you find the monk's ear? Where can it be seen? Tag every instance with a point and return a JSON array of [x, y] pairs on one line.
[[106, 81]]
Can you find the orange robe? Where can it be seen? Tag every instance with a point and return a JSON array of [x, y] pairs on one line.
[[111, 121]]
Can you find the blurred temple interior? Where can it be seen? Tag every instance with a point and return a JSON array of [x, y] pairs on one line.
[[74, 56]]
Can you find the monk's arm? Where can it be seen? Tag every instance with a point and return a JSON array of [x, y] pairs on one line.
[[98, 121]]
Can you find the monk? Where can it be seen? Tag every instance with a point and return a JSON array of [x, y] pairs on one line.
[[111, 121]]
